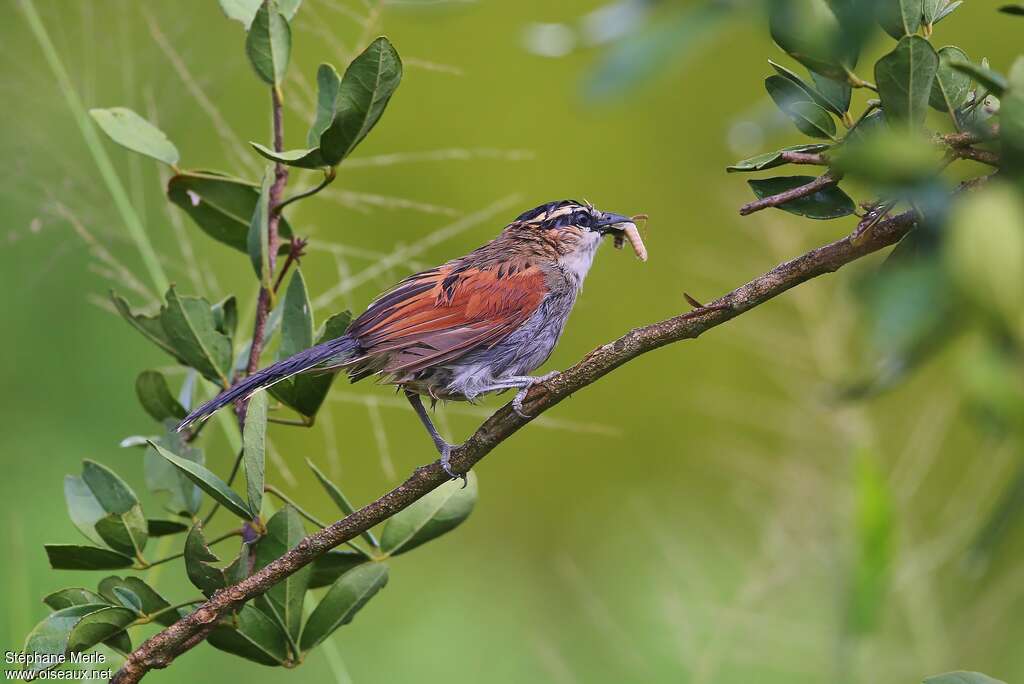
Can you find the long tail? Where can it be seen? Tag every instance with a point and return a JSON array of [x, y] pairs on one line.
[[333, 353]]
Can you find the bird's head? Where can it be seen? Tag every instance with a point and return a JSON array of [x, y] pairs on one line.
[[575, 228]]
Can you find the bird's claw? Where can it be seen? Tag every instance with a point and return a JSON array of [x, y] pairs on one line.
[[446, 454], [517, 402]]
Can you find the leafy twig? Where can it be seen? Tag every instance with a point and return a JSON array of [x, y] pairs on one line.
[[819, 183]]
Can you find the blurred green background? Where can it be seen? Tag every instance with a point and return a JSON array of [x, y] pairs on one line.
[[701, 515]]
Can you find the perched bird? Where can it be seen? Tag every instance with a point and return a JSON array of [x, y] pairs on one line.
[[477, 324]]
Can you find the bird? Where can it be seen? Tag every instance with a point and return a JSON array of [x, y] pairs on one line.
[[474, 325]]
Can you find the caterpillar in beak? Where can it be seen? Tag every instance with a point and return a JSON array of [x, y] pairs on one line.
[[631, 233]]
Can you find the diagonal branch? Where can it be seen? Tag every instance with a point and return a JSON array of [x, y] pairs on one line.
[[819, 183], [164, 647]]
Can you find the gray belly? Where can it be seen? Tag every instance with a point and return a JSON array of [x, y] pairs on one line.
[[523, 351]]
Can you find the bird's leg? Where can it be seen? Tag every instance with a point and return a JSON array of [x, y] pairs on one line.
[[523, 383], [443, 447]]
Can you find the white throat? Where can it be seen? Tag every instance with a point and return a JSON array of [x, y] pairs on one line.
[[578, 263]]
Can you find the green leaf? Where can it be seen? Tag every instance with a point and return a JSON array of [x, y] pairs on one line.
[[72, 596], [440, 511], [198, 558], [259, 226], [343, 600], [1014, 9], [1011, 117], [811, 92], [904, 78], [75, 557], [951, 87], [991, 80], [156, 398], [889, 158], [340, 500], [874, 526], [809, 118], [161, 476], [220, 205], [809, 32], [253, 636], [128, 599], [269, 43], [241, 10], [190, 328], [328, 84], [150, 601], [984, 250], [948, 9], [962, 677], [306, 392], [208, 482], [50, 637], [149, 325], [284, 531], [835, 92], [296, 319], [164, 528], [130, 130], [254, 447], [332, 565], [828, 203], [900, 18], [366, 88], [868, 127], [225, 316], [83, 507], [98, 626], [770, 160], [124, 530], [303, 159]]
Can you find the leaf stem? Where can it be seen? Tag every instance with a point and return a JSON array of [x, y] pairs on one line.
[[329, 175], [271, 489], [216, 540]]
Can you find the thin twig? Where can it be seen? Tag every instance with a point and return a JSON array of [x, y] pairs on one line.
[[816, 159], [161, 649], [819, 183]]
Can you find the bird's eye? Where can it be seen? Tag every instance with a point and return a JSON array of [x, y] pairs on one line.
[[583, 219]]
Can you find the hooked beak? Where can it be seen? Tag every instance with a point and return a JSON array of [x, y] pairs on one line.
[[613, 222]]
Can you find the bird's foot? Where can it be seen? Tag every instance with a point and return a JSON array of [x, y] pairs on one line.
[[446, 454], [517, 402]]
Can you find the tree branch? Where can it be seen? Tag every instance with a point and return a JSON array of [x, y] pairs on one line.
[[822, 181], [165, 646], [812, 158]]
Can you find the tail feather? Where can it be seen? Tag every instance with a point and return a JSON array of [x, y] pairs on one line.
[[334, 352]]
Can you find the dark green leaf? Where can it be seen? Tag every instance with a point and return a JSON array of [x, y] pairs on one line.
[[440, 511], [889, 158], [164, 528], [900, 18], [254, 441], [812, 93], [98, 626], [120, 642], [962, 677], [190, 328], [161, 476], [343, 600], [245, 10], [303, 159], [225, 316], [340, 500], [253, 636], [991, 80], [1011, 117], [149, 600], [259, 227], [74, 557], [269, 43], [951, 87], [306, 392], [328, 83], [149, 325], [904, 78], [130, 130], [125, 533], [124, 530], [835, 92], [208, 482], [198, 558], [770, 160], [867, 127], [948, 9], [332, 565], [284, 531], [220, 205], [296, 319], [874, 525], [83, 507], [110, 490], [1016, 10], [366, 88], [50, 637], [809, 32], [72, 596], [128, 599], [156, 398], [828, 203], [811, 119], [930, 11]]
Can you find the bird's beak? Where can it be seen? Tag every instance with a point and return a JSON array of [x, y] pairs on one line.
[[610, 222]]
